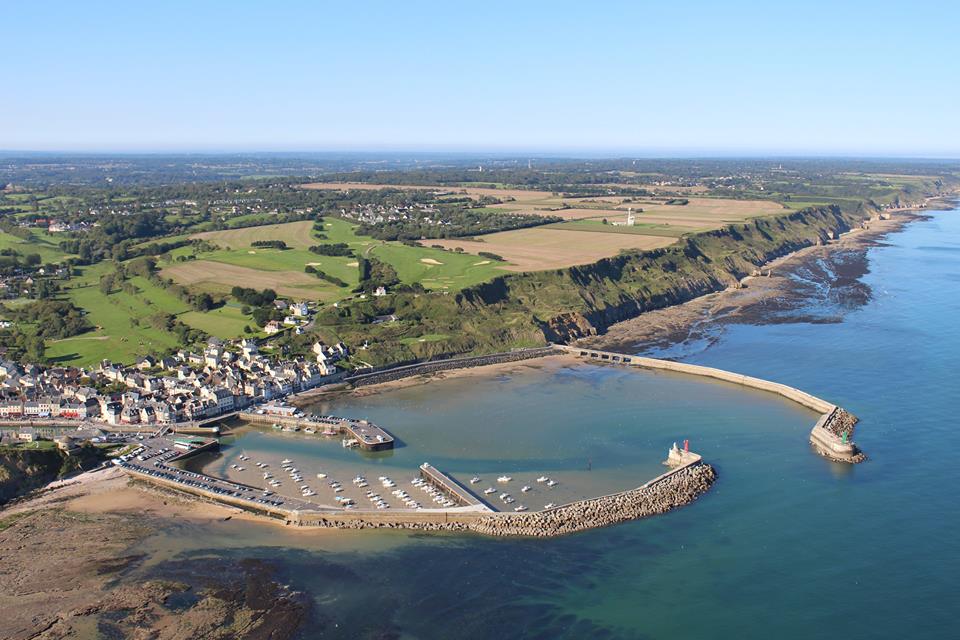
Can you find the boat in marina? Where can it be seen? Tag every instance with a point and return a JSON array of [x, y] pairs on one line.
[[525, 488], [286, 461], [276, 426], [549, 505], [489, 490], [321, 475], [504, 479], [551, 483], [474, 480], [520, 508], [542, 479]]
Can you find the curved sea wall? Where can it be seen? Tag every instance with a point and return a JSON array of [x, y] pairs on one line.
[[830, 435]]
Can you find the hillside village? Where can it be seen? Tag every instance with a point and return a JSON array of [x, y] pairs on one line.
[[187, 386]]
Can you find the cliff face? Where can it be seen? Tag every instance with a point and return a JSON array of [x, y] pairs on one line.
[[23, 470], [571, 303], [531, 309]]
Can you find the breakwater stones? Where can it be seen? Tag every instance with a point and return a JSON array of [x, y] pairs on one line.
[[841, 422], [671, 490]]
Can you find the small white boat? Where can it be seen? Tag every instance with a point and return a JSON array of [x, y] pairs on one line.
[[474, 480], [321, 475], [286, 461], [525, 488], [520, 508], [551, 483], [504, 479], [239, 468], [542, 479], [549, 505], [489, 490], [233, 466]]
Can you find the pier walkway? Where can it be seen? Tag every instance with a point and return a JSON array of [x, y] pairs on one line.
[[830, 435]]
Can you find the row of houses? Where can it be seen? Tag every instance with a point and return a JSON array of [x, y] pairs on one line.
[[187, 386]]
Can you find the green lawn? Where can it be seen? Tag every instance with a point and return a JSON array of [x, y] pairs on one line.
[[225, 322], [435, 268], [122, 328]]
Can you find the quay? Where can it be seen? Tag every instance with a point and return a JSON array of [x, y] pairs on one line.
[[155, 461], [830, 436], [366, 434], [459, 494]]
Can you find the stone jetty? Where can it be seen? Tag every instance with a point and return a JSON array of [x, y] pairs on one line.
[[675, 488]]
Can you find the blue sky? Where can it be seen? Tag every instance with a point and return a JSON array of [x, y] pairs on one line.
[[656, 78]]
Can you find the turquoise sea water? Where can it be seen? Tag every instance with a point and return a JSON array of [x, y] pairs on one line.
[[785, 545]]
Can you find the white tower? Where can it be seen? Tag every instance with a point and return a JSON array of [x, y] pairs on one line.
[[630, 217]]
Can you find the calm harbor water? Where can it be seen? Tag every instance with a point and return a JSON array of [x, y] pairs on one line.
[[785, 545]]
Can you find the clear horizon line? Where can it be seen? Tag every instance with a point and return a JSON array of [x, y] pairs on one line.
[[571, 153]]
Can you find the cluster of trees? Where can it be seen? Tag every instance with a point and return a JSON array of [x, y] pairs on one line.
[[269, 244], [325, 276], [490, 256], [54, 319], [452, 222], [376, 273], [12, 262], [114, 235], [341, 249], [252, 297]]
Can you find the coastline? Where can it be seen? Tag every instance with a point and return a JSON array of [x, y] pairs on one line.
[[660, 327], [672, 325]]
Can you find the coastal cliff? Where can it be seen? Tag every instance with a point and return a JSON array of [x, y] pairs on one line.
[[585, 300], [562, 305], [24, 470]]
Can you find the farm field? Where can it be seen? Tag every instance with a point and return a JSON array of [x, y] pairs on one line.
[[540, 248], [700, 212], [640, 228], [219, 277]]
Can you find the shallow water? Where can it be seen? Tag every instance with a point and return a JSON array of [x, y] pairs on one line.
[[594, 430], [785, 545]]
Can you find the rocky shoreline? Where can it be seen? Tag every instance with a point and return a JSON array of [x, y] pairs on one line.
[[675, 490]]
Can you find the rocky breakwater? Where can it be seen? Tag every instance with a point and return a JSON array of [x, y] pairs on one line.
[[832, 437], [672, 490]]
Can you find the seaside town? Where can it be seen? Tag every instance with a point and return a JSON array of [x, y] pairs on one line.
[[182, 388]]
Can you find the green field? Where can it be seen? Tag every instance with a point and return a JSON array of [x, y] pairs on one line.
[[43, 243], [282, 269]]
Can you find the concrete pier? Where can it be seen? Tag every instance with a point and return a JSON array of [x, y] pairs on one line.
[[368, 436], [830, 436]]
